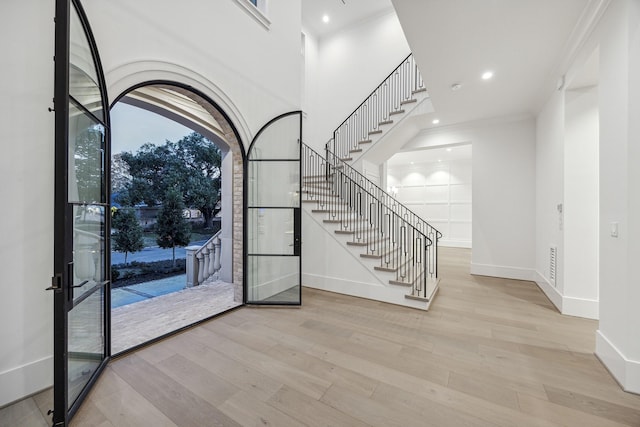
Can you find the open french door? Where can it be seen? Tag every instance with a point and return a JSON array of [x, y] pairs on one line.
[[273, 227], [81, 213]]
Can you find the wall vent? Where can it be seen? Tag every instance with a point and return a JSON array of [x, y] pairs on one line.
[[553, 257]]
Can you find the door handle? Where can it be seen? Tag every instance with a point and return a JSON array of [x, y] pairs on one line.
[[56, 283]]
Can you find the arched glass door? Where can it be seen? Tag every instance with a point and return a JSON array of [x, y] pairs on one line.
[[81, 218], [273, 263]]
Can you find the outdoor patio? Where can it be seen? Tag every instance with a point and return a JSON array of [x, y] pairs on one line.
[[153, 316]]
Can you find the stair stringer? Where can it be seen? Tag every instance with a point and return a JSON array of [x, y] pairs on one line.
[[339, 268], [392, 140]]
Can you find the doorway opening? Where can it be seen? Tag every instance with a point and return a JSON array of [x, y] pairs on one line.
[[177, 212]]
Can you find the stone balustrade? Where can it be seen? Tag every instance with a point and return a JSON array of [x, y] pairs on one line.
[[203, 261]]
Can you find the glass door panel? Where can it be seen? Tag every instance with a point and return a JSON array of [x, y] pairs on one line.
[[273, 214], [81, 218], [83, 72]]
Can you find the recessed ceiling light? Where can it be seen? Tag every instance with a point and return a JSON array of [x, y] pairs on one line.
[[325, 18], [439, 160], [456, 86], [487, 75], [435, 121], [449, 149], [411, 162]]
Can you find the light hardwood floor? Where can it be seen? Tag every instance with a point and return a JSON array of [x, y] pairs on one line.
[[490, 352]]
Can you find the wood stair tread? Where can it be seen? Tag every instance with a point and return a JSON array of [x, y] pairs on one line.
[[365, 141], [408, 101], [385, 122], [375, 132], [396, 112]]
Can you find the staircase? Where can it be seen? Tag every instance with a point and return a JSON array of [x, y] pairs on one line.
[[399, 247], [394, 100]]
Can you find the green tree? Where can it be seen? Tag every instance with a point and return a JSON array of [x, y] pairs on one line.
[[128, 235], [172, 227], [192, 165]]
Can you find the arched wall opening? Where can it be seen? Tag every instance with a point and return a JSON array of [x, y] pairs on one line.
[[192, 108], [165, 102]]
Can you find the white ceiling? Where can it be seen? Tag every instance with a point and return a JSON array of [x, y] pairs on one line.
[[455, 41], [342, 14]]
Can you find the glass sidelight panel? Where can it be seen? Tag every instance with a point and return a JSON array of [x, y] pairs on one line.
[[86, 340], [273, 214], [272, 231], [86, 157], [274, 183], [273, 279], [83, 74], [88, 270]]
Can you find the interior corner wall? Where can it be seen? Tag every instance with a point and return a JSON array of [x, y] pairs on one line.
[[617, 341], [310, 92], [550, 196], [580, 207], [503, 195], [26, 169], [351, 64], [617, 37]]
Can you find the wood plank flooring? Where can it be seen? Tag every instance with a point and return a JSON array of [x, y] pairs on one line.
[[490, 352]]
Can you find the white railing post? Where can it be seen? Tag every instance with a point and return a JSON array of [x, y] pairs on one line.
[[205, 258], [212, 255], [199, 256], [216, 261]]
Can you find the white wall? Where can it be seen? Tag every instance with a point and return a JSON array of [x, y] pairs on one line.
[[252, 72], [617, 38], [350, 65], [26, 168], [550, 194], [439, 192], [617, 339], [567, 176], [580, 208], [503, 191]]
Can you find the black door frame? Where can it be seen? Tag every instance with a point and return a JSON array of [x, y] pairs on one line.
[[297, 214], [63, 212]]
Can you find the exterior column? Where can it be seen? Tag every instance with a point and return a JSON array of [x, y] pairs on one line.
[[192, 266]]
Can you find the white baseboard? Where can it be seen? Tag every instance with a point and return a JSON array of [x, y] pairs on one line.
[[549, 290], [580, 307], [25, 380], [455, 243], [625, 371], [374, 291], [570, 306], [516, 273]]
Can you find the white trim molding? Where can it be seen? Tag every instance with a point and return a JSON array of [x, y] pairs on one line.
[[258, 13], [625, 371], [568, 305], [26, 380], [372, 291], [549, 290], [517, 273]]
